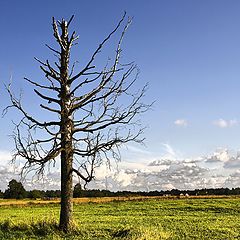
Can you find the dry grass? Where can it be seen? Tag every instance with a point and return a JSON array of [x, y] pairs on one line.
[[14, 202]]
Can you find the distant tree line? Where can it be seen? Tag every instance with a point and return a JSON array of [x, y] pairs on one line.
[[174, 192], [16, 190]]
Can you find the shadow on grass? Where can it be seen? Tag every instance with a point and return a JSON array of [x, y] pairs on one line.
[[40, 229], [49, 230], [35, 230]]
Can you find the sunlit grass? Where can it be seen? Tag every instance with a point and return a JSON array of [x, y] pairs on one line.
[[134, 220]]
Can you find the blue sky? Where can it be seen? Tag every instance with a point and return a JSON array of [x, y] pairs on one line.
[[188, 51]]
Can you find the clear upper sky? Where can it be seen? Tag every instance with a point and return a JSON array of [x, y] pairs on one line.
[[188, 51]]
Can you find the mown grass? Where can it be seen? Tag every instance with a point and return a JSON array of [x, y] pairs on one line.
[[134, 220]]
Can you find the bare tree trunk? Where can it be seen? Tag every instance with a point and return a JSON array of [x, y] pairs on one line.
[[66, 168], [66, 138], [66, 191], [66, 163]]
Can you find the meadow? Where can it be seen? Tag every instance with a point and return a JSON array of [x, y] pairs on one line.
[[133, 219]]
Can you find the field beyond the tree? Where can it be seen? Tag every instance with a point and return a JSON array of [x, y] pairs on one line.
[[133, 219]]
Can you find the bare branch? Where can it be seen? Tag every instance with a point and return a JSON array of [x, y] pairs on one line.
[[50, 109], [56, 33], [16, 103], [49, 99], [70, 20], [42, 86], [88, 66], [52, 49]]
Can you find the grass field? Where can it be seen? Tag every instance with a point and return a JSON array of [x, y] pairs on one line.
[[217, 218]]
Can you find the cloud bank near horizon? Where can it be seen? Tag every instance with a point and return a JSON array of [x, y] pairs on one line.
[[218, 169]]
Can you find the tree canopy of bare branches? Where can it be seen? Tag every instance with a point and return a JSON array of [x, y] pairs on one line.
[[95, 113]]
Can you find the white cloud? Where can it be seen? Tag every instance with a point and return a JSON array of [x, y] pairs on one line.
[[5, 157], [138, 150], [166, 152], [225, 123], [125, 178], [220, 155], [169, 150], [7, 173], [233, 180], [181, 122], [218, 169], [163, 174]]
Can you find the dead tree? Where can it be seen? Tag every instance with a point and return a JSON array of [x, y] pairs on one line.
[[94, 112]]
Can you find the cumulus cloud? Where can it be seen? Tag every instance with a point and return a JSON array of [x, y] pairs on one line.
[[7, 173], [191, 173], [233, 162], [218, 169], [181, 122], [220, 155], [159, 174], [225, 123], [228, 159], [5, 157], [233, 179], [161, 162]]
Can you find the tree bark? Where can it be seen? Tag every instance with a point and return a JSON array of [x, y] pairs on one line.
[[66, 191], [66, 137], [66, 164]]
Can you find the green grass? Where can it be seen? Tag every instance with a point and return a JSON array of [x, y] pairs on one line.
[[133, 220]]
